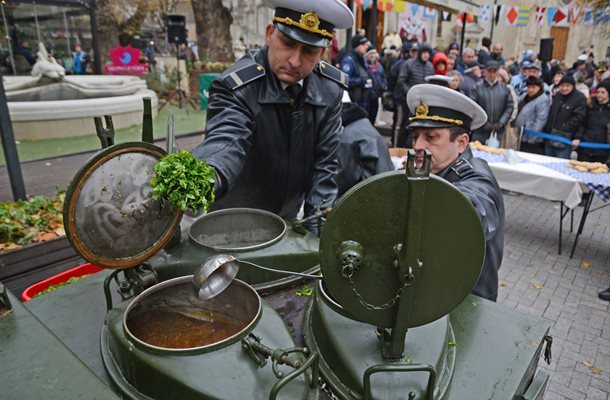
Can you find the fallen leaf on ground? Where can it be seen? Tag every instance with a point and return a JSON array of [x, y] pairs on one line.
[[592, 367], [585, 264], [538, 286], [47, 236], [503, 284]]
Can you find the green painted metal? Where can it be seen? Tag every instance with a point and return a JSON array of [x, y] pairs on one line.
[[36, 363], [225, 373], [373, 214], [494, 353]]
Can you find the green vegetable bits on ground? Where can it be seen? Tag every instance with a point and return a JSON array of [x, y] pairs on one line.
[[184, 181]]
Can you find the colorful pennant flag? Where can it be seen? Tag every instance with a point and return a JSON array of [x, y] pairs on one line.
[[365, 4], [598, 16], [358, 3], [499, 10], [524, 16], [414, 9], [399, 6], [429, 13], [485, 11], [446, 16], [512, 13], [561, 16], [389, 5], [380, 5], [575, 14], [587, 18], [460, 18], [550, 15], [540, 15]]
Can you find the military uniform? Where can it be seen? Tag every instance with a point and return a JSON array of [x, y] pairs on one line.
[[441, 107], [273, 149]]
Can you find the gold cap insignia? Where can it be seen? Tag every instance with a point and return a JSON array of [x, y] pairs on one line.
[[422, 109], [308, 22]]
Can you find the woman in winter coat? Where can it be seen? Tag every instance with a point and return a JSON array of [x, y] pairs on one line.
[[439, 62], [597, 127], [532, 115], [566, 119]]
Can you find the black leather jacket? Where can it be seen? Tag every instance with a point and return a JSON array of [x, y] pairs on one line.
[[269, 154], [476, 181]]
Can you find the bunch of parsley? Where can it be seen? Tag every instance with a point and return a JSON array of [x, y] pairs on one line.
[[184, 181]]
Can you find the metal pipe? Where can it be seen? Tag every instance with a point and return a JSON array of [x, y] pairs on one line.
[[373, 25], [464, 19], [97, 66], [66, 32], [36, 21], [8, 37], [10, 149]]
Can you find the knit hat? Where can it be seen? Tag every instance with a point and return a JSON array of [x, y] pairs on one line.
[[357, 40], [532, 80], [568, 79], [605, 84]]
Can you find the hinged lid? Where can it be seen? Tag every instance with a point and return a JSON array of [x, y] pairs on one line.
[[363, 245], [110, 216]]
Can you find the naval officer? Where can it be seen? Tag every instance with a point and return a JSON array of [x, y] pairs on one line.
[[441, 123], [274, 117]]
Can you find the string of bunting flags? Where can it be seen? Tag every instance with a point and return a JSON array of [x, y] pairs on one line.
[[519, 16]]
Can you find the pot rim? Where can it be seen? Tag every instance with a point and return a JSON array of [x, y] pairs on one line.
[[188, 350]]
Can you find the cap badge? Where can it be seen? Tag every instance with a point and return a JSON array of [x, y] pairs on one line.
[[421, 110], [310, 20]]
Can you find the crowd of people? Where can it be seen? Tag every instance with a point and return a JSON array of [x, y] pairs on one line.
[[521, 95]]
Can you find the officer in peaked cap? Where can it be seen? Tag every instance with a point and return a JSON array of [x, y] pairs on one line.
[[441, 123], [274, 117]]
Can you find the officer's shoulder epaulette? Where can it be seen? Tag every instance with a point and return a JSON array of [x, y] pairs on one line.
[[333, 73], [244, 75]]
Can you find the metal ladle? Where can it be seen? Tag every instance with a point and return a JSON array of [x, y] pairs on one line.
[[217, 272]]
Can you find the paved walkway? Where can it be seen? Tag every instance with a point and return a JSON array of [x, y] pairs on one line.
[[534, 278]]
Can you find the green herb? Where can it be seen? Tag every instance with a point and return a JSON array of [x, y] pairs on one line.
[[304, 291], [409, 360], [184, 181], [52, 288], [452, 344], [34, 220]]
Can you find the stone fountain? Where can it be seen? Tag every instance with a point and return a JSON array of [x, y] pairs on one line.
[[51, 104]]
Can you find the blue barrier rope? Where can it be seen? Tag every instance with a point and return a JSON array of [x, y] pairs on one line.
[[566, 141]]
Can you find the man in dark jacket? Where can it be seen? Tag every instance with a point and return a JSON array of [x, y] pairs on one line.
[[359, 78], [441, 124], [274, 118], [495, 98], [597, 127], [566, 118], [362, 151], [412, 72]]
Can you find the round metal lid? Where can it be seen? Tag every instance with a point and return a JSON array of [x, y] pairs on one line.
[[367, 225], [110, 216]]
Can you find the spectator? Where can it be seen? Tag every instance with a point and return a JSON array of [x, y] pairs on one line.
[[451, 58], [454, 49], [79, 60], [362, 152], [579, 78], [533, 113], [23, 49], [504, 77], [359, 78], [391, 39], [484, 54], [149, 52], [597, 126], [554, 88], [566, 118], [239, 48], [468, 56], [380, 82], [439, 62], [456, 82], [496, 54], [472, 75], [412, 72], [495, 98]]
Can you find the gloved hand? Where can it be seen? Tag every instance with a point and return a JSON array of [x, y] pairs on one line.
[[488, 127]]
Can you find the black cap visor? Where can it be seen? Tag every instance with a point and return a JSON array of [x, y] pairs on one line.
[[310, 38]]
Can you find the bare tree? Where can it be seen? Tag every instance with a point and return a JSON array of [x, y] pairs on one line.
[[213, 22]]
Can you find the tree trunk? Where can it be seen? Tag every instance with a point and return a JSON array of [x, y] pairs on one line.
[[213, 22], [107, 29]]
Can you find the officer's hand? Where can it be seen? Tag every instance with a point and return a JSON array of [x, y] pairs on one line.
[[575, 143], [497, 127], [488, 127]]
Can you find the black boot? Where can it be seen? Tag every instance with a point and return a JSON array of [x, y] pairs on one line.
[[605, 294]]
